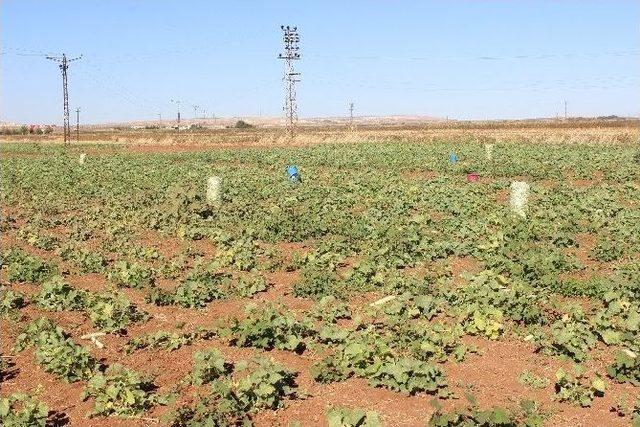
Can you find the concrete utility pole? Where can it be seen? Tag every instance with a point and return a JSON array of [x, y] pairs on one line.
[[63, 64], [565, 109], [78, 124], [291, 38]]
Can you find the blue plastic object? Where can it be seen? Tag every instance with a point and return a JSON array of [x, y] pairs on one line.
[[293, 174], [453, 158]]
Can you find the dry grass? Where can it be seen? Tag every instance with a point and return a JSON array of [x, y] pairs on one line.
[[532, 132]]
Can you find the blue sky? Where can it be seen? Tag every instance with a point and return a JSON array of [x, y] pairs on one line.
[[462, 59]]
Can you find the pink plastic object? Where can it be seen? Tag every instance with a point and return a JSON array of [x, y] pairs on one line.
[[472, 177]]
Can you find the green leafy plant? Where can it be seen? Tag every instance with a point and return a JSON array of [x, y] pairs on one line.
[[56, 352], [20, 409], [346, 417], [37, 331], [330, 309], [57, 295], [623, 408], [619, 321], [195, 292], [261, 384], [607, 250], [166, 340], [571, 336], [574, 390], [315, 282], [626, 368], [39, 240], [248, 287], [268, 327], [431, 342], [265, 386], [10, 301], [121, 391], [362, 355], [487, 321], [239, 252], [208, 366], [131, 275], [88, 262], [113, 312], [527, 415], [494, 417], [532, 380], [65, 359], [23, 267], [410, 376]]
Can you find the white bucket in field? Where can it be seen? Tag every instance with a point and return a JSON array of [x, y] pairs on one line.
[[518, 198], [214, 190], [488, 150], [83, 156]]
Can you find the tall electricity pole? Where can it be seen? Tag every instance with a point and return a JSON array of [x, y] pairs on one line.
[[178, 104], [63, 64], [565, 109], [78, 124], [291, 38], [351, 115], [195, 111]]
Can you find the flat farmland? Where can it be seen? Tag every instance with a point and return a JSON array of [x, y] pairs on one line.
[[389, 287]]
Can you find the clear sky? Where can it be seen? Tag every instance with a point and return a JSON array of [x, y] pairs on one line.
[[462, 59]]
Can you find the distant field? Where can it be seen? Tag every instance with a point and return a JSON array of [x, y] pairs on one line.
[[534, 131], [385, 282]]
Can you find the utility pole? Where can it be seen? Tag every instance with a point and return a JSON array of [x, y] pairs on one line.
[[351, 115], [565, 109], [63, 64], [78, 124], [291, 38], [160, 118], [195, 111], [178, 104]]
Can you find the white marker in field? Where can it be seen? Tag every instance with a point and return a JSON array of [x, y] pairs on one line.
[[214, 190], [488, 150], [83, 156], [518, 198]]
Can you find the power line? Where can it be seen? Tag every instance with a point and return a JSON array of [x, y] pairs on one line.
[[64, 66], [291, 38], [544, 56]]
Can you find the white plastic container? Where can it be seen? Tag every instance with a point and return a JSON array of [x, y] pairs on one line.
[[518, 198], [83, 156], [214, 190]]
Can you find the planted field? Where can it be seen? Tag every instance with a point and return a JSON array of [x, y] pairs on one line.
[[385, 289]]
